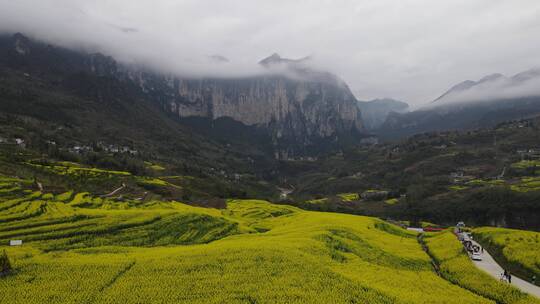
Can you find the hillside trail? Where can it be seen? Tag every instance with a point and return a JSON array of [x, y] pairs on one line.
[[115, 191], [489, 265]]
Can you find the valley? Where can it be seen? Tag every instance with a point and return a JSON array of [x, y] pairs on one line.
[[127, 237], [121, 182]]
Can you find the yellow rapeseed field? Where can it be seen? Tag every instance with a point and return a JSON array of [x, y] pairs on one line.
[[457, 267], [82, 249], [518, 250]]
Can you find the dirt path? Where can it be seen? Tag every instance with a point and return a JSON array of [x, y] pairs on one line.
[[489, 265], [115, 191]]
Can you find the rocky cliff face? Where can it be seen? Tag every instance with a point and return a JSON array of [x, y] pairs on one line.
[[301, 108], [297, 106]]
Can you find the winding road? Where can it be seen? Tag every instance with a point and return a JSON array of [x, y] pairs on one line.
[[489, 265]]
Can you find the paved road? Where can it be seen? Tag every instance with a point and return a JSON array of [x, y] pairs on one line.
[[489, 265]]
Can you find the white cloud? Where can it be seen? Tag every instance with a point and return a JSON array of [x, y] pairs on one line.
[[410, 50], [502, 88]]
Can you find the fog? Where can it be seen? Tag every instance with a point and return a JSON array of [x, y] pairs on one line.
[[410, 50], [499, 88]]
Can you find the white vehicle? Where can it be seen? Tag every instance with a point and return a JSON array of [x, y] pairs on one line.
[[476, 256]]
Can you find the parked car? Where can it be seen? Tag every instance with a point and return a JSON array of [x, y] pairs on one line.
[[476, 256]]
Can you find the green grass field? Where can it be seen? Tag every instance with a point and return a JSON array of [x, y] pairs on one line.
[[517, 250]]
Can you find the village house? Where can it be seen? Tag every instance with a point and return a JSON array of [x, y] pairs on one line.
[[529, 153], [374, 195], [370, 140], [20, 142], [457, 174], [80, 149]]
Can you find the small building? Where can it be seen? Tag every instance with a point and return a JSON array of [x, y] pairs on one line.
[[457, 174], [369, 140], [15, 243], [375, 195]]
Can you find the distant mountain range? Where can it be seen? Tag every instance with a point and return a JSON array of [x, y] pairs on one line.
[[293, 109], [290, 110], [375, 112], [472, 104], [494, 87]]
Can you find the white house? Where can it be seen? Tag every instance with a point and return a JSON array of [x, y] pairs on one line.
[[15, 243]]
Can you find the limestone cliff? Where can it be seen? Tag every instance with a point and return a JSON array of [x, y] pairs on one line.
[[301, 106], [297, 107]]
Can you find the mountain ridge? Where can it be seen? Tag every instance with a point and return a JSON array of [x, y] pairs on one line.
[[472, 104], [297, 112], [489, 82], [375, 112]]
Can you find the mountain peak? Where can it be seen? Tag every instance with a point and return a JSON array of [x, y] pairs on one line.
[[21, 44], [491, 77], [491, 82], [275, 58], [462, 86], [272, 59], [218, 58], [526, 75]]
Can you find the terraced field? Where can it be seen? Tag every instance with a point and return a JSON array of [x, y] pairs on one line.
[[78, 248]]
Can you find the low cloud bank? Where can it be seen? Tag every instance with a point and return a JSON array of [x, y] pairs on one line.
[[410, 49], [526, 84]]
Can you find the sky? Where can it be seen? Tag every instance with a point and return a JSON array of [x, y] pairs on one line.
[[410, 50]]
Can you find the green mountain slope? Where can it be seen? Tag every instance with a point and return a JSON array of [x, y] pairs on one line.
[[483, 176]]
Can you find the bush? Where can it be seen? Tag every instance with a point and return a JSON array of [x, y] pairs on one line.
[[5, 265]]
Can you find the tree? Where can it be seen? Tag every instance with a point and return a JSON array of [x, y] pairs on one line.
[[415, 195], [5, 265]]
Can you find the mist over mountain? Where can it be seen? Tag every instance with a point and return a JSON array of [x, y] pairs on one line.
[[292, 108], [375, 112], [380, 48], [493, 87], [210, 151], [472, 104]]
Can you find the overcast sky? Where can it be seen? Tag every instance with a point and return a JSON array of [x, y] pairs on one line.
[[412, 50]]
